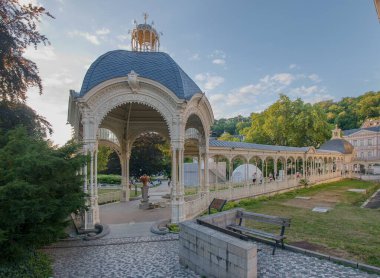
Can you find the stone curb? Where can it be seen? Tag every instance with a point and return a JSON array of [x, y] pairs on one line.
[[155, 228], [369, 199], [353, 264], [105, 231]]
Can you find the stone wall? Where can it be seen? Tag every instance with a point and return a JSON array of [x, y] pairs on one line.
[[212, 253]]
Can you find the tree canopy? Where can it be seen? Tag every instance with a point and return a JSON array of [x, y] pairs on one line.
[[228, 137], [232, 125], [18, 30], [150, 155], [15, 114], [288, 123], [351, 112]]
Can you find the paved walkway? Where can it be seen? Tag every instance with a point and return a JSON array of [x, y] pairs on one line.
[[129, 212], [157, 256], [131, 250]]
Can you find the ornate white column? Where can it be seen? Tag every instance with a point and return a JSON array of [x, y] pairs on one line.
[[206, 173], [91, 216], [200, 170], [177, 205]]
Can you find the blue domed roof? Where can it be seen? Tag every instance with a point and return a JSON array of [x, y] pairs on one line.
[[157, 66]]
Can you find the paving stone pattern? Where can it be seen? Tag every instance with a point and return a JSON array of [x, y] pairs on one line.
[[157, 256]]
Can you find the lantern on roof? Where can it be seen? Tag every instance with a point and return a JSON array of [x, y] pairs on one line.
[[145, 37]]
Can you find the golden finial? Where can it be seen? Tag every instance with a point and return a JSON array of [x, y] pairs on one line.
[[145, 15]]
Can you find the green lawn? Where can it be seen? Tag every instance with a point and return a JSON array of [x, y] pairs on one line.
[[346, 231], [131, 192]]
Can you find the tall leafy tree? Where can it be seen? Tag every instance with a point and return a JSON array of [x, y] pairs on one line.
[[18, 30], [288, 123]]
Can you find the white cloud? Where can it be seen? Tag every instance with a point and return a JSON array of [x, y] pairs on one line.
[[209, 81], [89, 37], [218, 54], [43, 52], [218, 57], [58, 77], [195, 57], [94, 38], [123, 37], [249, 98], [283, 78], [124, 46], [314, 77], [218, 61], [103, 31], [293, 66]]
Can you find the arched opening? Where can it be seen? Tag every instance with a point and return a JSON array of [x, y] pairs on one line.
[[257, 175], [140, 137], [196, 164]]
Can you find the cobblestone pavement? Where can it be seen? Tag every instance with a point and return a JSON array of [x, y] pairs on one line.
[[157, 256]]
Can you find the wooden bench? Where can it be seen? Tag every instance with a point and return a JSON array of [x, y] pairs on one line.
[[275, 220], [217, 204]]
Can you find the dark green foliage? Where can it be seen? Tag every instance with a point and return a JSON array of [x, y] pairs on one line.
[[289, 123], [149, 155], [113, 165], [32, 264], [15, 114], [18, 30], [109, 179], [232, 125], [351, 112], [39, 188]]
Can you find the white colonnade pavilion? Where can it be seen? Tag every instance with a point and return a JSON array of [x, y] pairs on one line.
[[127, 93]]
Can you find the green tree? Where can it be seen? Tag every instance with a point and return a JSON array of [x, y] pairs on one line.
[[148, 157], [351, 112], [228, 137], [288, 123], [15, 114], [39, 188], [18, 29], [231, 125], [103, 157]]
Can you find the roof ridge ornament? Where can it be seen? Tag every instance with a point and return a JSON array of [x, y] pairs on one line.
[[133, 81]]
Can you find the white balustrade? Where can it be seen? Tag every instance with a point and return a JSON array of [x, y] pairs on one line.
[[235, 191]]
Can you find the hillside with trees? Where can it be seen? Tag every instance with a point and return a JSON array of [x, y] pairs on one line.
[[351, 112]]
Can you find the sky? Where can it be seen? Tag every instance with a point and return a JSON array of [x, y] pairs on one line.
[[242, 54]]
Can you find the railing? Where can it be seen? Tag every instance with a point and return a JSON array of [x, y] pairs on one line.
[[109, 197], [235, 191]]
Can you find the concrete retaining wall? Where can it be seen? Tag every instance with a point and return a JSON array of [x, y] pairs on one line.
[[212, 253]]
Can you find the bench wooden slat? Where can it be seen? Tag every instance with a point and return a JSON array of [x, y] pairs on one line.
[[256, 232], [276, 220]]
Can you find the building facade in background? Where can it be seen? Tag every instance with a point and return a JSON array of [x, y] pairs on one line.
[[366, 142]]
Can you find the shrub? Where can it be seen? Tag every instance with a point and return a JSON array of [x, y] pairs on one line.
[[304, 182], [109, 179], [32, 264], [39, 188]]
